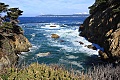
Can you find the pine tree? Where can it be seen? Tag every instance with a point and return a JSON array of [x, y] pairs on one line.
[[11, 14], [3, 7]]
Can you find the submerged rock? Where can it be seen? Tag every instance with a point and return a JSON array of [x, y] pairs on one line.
[[81, 42], [62, 41], [91, 47], [103, 27], [54, 36]]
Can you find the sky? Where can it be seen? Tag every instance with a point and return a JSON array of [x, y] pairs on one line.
[[56, 7]]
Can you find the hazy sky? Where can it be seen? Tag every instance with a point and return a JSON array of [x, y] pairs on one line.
[[38, 7]]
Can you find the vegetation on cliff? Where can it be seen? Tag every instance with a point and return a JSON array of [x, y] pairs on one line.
[[103, 4], [8, 20], [10, 14], [37, 71], [12, 41]]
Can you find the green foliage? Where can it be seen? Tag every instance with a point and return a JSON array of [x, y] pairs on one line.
[[117, 10], [4, 77], [20, 29], [96, 5], [6, 25], [99, 2], [41, 72], [14, 13], [101, 5], [9, 21], [3, 7], [92, 9]]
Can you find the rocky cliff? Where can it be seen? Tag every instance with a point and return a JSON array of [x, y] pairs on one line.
[[12, 42], [103, 27]]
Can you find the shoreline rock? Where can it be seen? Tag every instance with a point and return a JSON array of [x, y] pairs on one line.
[[55, 36], [11, 44], [91, 47], [103, 27]]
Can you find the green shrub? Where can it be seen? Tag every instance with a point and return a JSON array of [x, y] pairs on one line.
[[40, 72], [37, 71], [117, 10], [98, 5], [6, 25]]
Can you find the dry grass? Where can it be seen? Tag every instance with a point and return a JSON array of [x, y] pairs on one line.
[[106, 72]]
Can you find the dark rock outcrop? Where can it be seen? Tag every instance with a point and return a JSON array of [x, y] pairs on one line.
[[91, 47], [81, 42], [12, 42], [81, 28], [103, 27]]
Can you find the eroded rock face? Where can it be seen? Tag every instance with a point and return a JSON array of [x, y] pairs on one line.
[[11, 44], [21, 43], [103, 27]]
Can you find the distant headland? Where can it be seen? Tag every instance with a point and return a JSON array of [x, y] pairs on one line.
[[73, 15]]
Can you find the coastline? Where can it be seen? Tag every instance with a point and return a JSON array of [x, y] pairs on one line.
[[106, 33]]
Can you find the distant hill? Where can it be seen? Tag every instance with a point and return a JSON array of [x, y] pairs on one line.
[[73, 15]]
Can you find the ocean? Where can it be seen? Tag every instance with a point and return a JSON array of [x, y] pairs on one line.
[[66, 50]]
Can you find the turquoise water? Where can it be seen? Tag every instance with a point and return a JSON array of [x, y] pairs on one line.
[[65, 50]]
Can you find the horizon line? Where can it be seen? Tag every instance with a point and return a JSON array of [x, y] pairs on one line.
[[42, 15]]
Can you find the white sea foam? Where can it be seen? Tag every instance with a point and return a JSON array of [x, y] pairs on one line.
[[67, 50], [33, 35], [71, 39], [43, 54], [72, 36], [24, 53], [21, 56], [34, 48], [78, 64], [72, 57], [51, 26]]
